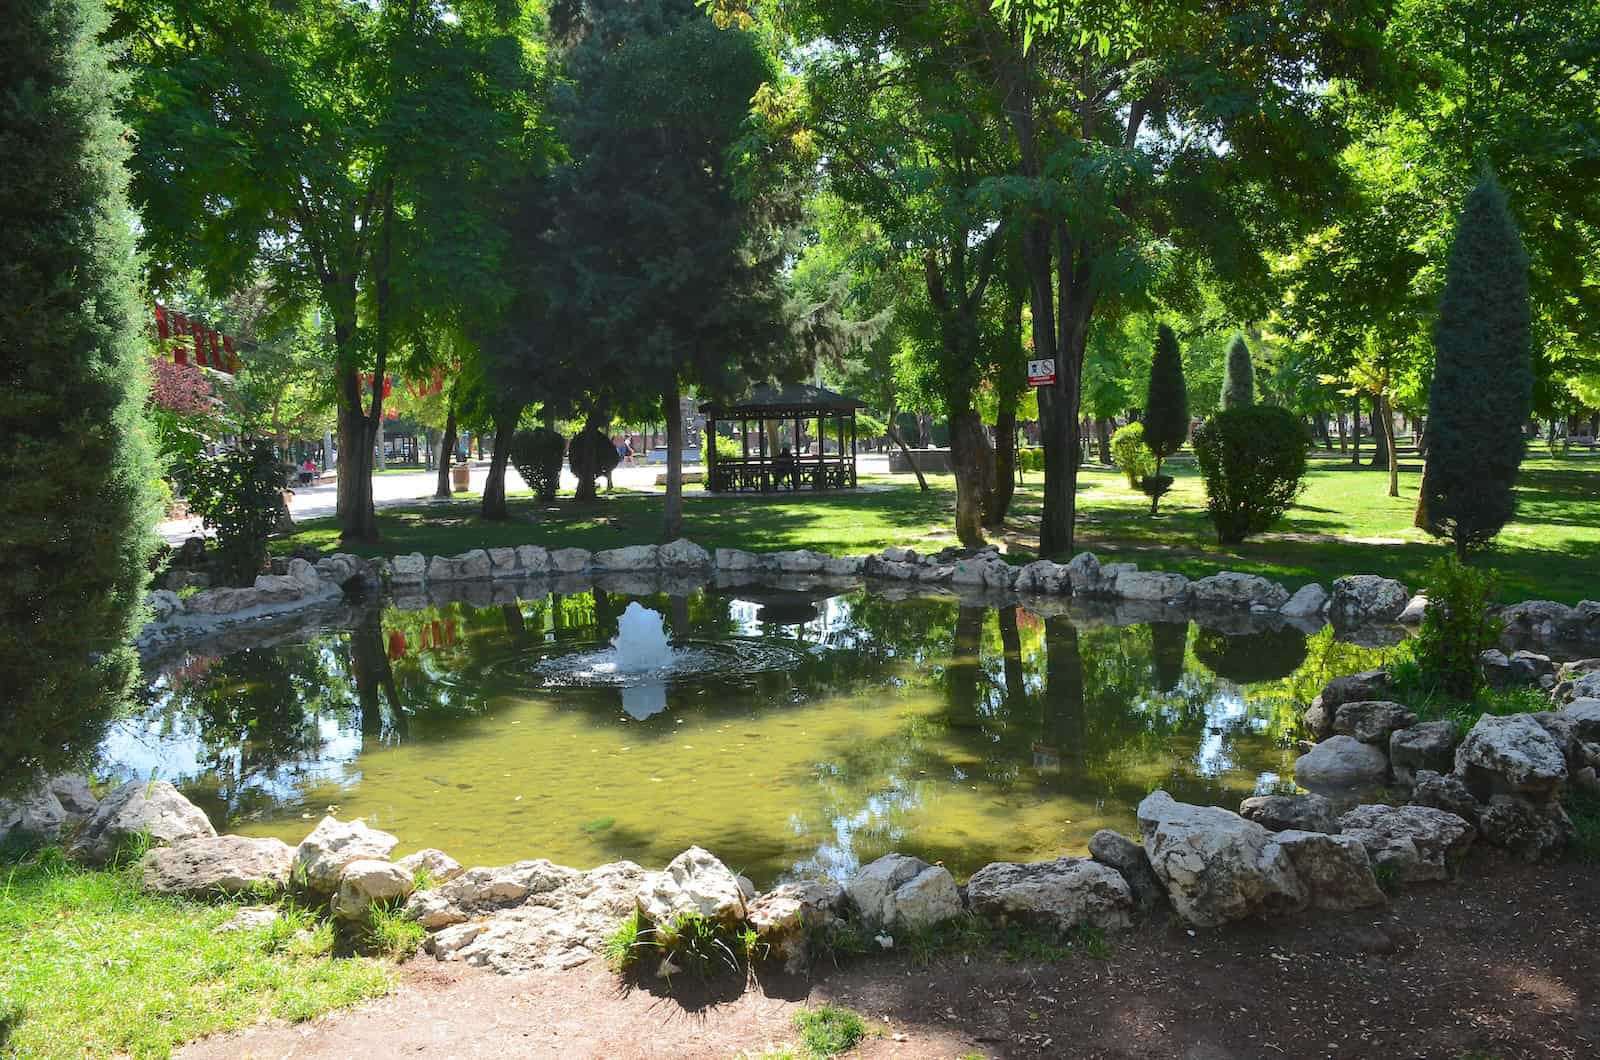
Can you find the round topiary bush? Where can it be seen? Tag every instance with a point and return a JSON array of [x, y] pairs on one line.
[[1132, 457], [536, 455], [1253, 461], [590, 456]]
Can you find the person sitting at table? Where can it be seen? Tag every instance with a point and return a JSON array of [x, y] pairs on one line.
[[787, 471]]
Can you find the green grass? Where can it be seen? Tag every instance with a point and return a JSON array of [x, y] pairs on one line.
[[392, 933], [1344, 523], [93, 966], [829, 1030]]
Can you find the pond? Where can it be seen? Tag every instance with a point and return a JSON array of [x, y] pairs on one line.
[[808, 730]]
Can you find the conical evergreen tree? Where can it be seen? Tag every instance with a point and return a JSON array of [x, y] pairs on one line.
[[1482, 377], [75, 469], [1239, 376], [1166, 408]]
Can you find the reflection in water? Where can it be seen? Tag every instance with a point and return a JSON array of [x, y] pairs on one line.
[[812, 733]]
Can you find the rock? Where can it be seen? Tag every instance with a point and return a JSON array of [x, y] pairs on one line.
[[1150, 585], [1279, 813], [1414, 842], [473, 565], [1531, 668], [322, 856], [799, 561], [569, 560], [1362, 599], [224, 864], [1121, 853], [1583, 715], [277, 588], [1414, 610], [844, 566], [896, 554], [1429, 745], [1044, 576], [1232, 589], [1539, 621], [224, 601], [1215, 865], [1085, 575], [1444, 791], [630, 557], [533, 559], [1583, 686], [682, 554], [368, 880], [442, 569], [485, 889], [138, 807], [1341, 762], [250, 918], [986, 569], [1367, 685], [786, 916], [1496, 668], [693, 882], [1512, 755], [72, 792], [1372, 720], [503, 563], [903, 892], [1064, 893], [1532, 832], [1333, 869], [164, 603], [933, 573], [1308, 601], [408, 570], [38, 815], [305, 575], [438, 866], [734, 559]]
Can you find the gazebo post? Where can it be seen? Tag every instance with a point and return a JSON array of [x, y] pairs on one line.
[[852, 448], [711, 451]]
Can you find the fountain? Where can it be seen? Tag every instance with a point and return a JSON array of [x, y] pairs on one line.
[[641, 641]]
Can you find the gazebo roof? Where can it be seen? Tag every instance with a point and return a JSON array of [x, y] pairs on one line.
[[776, 402]]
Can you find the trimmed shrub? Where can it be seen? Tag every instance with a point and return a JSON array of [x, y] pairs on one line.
[[1132, 457], [1238, 376], [237, 493], [1253, 462], [1031, 459], [536, 454], [590, 456], [1456, 626]]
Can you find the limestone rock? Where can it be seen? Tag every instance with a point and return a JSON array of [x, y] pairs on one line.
[[72, 792], [1369, 684], [569, 560], [1429, 745], [442, 569], [1414, 610], [503, 563], [439, 866], [277, 588], [986, 569], [1531, 831], [164, 603], [1361, 599], [1581, 686], [1044, 576], [1372, 720], [1415, 842], [250, 918], [1215, 865], [1532, 668], [473, 565], [898, 891], [38, 814], [478, 890], [333, 844], [844, 566], [139, 806], [1116, 850], [683, 554], [735, 559], [1512, 755], [1583, 715], [408, 570], [1308, 601], [1085, 575], [224, 864], [1538, 621], [1065, 893], [533, 559], [628, 558], [368, 880], [897, 554], [1150, 585], [693, 882], [1341, 762], [1232, 589], [224, 601], [800, 561], [1279, 813], [785, 916], [1333, 869], [1444, 791]]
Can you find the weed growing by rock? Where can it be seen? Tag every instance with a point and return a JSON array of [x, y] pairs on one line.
[[829, 1030]]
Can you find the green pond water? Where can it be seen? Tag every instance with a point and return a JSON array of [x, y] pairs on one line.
[[804, 732]]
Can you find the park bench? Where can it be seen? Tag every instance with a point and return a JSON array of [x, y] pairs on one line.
[[688, 476]]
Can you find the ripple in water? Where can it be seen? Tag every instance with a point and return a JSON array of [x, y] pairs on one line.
[[723, 659]]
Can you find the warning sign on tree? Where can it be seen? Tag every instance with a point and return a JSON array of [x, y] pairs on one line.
[[1042, 373]]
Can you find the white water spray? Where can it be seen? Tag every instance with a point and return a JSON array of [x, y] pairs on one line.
[[641, 641]]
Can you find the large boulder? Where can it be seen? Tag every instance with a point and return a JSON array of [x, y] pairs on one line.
[[1532, 831], [38, 814], [482, 890], [1308, 601], [366, 881], [1334, 870], [151, 808], [1581, 715], [569, 560], [1341, 763], [627, 558], [1232, 589], [800, 561], [1085, 575], [473, 565], [986, 568], [1414, 843], [1151, 585], [735, 559], [408, 569], [1280, 813], [1064, 893], [1535, 622], [1584, 685], [1347, 688], [898, 891], [224, 864], [1363, 599], [1512, 755], [321, 857], [844, 566], [432, 865], [1117, 851], [694, 882], [533, 559], [73, 793], [1444, 791], [1372, 720], [1215, 865], [683, 554], [1429, 745], [503, 563], [785, 917], [1044, 576]]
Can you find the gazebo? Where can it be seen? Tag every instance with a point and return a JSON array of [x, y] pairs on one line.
[[769, 468]]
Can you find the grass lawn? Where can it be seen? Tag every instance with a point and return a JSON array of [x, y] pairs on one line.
[[93, 966], [1344, 523]]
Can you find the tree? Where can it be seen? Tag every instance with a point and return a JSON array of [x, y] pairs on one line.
[[1166, 410], [75, 468], [1239, 378], [1482, 377], [1253, 462]]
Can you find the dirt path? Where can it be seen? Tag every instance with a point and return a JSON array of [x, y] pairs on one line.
[[1504, 963]]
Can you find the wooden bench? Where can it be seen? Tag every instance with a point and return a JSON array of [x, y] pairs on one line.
[[688, 476]]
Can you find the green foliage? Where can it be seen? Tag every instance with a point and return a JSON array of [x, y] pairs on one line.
[[238, 494], [1166, 412], [1253, 461], [391, 932], [537, 454], [1456, 626], [1254, 659], [1131, 455], [1482, 377], [700, 945], [624, 946], [592, 455], [1239, 376], [1031, 459], [75, 466], [829, 1030]]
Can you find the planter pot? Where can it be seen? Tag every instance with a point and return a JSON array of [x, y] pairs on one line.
[[461, 478]]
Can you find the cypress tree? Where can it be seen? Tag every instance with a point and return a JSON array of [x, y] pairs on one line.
[[1238, 377], [75, 468], [1482, 377], [1166, 409]]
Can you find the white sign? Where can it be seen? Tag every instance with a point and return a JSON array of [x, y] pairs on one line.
[[1042, 373]]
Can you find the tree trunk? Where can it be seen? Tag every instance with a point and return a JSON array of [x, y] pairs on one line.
[[1005, 466], [358, 520], [924, 431], [1343, 442], [598, 419], [1102, 428], [899, 439], [1011, 653], [1355, 433], [441, 489], [494, 489], [1390, 444], [1382, 428], [969, 452], [672, 506]]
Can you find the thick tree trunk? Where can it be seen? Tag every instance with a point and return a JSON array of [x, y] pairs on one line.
[[598, 419], [1382, 428], [357, 517], [441, 489], [969, 453], [672, 506], [1005, 466], [1343, 441], [494, 488], [1102, 427]]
